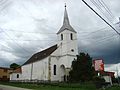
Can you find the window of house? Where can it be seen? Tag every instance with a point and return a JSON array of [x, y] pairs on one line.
[[71, 36], [17, 75], [61, 36], [5, 70], [4, 77], [54, 69]]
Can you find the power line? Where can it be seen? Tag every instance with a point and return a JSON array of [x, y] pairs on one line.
[[99, 8], [106, 7], [101, 17], [15, 41]]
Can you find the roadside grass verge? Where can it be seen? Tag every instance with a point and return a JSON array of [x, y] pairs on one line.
[[53, 86], [114, 87]]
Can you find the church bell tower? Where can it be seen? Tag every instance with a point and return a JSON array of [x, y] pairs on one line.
[[67, 38]]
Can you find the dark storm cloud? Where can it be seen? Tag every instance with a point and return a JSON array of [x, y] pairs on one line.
[[103, 44]]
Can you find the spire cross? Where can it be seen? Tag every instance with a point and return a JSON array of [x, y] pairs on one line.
[[65, 5]]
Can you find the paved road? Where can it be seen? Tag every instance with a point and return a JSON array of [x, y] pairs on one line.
[[4, 87]]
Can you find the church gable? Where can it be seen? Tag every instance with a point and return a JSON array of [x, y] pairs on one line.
[[41, 55]]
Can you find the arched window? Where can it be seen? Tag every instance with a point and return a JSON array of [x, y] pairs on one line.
[[61, 36], [54, 69], [71, 36], [17, 75]]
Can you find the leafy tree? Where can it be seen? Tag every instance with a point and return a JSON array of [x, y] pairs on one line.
[[14, 65], [82, 69]]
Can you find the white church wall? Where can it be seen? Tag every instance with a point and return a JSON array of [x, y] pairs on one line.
[[67, 61], [54, 61], [15, 76], [68, 46], [36, 71], [40, 70], [26, 72]]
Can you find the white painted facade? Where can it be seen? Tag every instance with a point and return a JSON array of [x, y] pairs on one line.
[[35, 71], [61, 58], [15, 76]]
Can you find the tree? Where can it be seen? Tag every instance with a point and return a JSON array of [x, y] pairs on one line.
[[14, 65], [82, 69]]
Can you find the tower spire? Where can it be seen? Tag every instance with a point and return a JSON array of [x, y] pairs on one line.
[[65, 5], [66, 24], [66, 19]]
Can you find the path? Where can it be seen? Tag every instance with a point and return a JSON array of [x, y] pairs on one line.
[[4, 87]]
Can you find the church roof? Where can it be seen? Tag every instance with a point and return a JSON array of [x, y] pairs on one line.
[[41, 55], [66, 23]]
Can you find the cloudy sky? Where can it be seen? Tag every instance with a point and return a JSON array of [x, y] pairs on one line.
[[29, 26]]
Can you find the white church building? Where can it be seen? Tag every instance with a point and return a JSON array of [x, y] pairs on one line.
[[53, 63]]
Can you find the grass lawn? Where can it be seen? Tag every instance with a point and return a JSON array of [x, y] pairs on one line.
[[54, 86], [114, 88], [85, 86]]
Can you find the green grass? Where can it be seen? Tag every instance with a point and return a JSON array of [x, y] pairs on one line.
[[61, 86], [115, 87]]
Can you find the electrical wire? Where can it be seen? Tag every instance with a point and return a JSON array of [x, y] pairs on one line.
[[100, 9], [106, 8], [15, 41], [101, 17]]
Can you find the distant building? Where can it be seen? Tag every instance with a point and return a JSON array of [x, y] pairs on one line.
[[53, 63], [106, 73], [99, 70], [16, 74], [5, 73]]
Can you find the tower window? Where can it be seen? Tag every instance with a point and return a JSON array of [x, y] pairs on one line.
[[71, 36], [54, 69], [61, 36]]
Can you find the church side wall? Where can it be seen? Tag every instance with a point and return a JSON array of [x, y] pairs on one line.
[[54, 61], [36, 71], [26, 72], [40, 70]]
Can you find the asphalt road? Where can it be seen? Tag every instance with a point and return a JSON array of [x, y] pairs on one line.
[[4, 87]]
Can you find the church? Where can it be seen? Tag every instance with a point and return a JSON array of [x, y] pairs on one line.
[[53, 63]]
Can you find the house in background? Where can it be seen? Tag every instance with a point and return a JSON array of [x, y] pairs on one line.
[[16, 74], [53, 63], [5, 73], [99, 70]]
